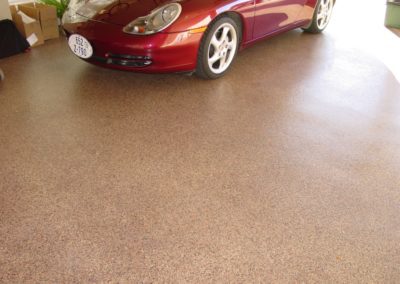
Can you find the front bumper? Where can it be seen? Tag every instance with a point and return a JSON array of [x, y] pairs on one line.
[[158, 53]]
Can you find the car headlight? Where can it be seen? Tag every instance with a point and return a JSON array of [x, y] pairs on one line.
[[82, 10], [71, 17], [158, 20]]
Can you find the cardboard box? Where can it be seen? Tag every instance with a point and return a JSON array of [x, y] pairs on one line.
[[46, 15], [29, 28], [4, 11]]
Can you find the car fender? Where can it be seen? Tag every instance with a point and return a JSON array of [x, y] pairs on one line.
[[197, 15]]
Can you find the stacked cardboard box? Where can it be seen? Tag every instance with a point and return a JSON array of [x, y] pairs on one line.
[[4, 12], [28, 27], [37, 22], [46, 15]]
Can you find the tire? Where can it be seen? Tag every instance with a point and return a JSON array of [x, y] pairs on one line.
[[218, 48], [321, 17]]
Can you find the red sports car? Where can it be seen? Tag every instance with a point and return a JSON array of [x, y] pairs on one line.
[[182, 35]]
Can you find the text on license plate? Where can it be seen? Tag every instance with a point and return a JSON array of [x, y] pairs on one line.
[[80, 46]]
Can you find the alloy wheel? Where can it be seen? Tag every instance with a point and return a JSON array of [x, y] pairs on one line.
[[222, 48], [324, 13]]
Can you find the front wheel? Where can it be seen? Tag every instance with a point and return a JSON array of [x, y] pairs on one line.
[[322, 16], [218, 48]]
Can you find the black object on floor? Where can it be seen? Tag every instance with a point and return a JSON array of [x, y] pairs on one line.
[[11, 41]]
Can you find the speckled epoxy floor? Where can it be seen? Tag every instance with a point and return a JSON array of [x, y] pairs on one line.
[[286, 170]]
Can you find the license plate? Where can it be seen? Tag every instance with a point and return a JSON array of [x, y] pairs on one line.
[[80, 46]]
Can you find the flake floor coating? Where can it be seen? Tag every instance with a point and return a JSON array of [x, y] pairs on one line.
[[286, 170]]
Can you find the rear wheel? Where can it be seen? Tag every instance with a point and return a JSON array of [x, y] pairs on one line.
[[218, 48], [322, 16]]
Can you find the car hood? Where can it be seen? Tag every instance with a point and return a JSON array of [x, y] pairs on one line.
[[122, 12]]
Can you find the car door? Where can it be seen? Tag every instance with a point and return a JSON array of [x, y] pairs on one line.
[[273, 15]]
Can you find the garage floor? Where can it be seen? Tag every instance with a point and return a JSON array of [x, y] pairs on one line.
[[287, 169]]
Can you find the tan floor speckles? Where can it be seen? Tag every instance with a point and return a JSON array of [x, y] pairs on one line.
[[286, 170]]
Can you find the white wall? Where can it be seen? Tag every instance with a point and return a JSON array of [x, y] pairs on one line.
[[4, 10]]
